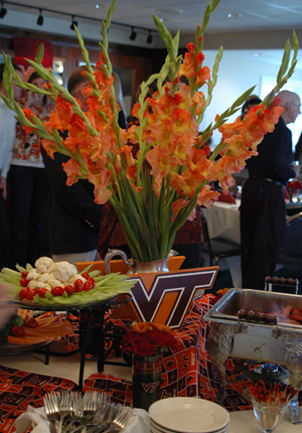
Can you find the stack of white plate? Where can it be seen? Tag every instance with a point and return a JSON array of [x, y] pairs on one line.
[[188, 415]]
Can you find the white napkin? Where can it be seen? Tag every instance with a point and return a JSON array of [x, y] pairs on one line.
[[138, 423], [37, 417]]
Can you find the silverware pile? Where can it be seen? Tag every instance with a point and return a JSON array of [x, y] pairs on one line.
[[92, 412]]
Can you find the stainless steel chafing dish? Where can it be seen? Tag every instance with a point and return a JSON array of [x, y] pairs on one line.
[[261, 338]]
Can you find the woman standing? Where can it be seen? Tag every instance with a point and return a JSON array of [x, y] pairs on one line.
[[29, 188]]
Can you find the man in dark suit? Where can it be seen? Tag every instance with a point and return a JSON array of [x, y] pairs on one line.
[[263, 209], [74, 219]]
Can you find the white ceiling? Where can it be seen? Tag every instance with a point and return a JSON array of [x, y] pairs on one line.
[[252, 15], [247, 18]]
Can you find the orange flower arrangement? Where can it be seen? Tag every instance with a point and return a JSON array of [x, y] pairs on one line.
[[155, 190]]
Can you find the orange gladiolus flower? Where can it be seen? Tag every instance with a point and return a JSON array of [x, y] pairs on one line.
[[28, 113], [188, 66], [161, 161], [207, 196], [202, 76], [50, 147], [64, 111], [73, 170], [53, 123], [100, 181]]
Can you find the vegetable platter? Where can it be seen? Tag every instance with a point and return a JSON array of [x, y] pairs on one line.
[[58, 284]]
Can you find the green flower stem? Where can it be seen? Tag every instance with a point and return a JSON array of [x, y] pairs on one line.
[[284, 75], [90, 70]]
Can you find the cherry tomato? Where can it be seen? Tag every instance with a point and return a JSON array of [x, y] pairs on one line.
[[78, 286], [85, 275], [30, 294], [42, 292], [24, 282], [92, 282], [87, 286], [23, 292], [30, 322], [69, 289], [24, 274], [57, 291], [17, 331]]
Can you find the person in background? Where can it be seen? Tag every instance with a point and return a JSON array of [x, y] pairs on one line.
[[263, 210], [74, 219], [29, 188], [122, 115], [7, 136], [249, 103], [298, 149]]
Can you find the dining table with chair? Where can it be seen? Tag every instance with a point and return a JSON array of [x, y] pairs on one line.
[[223, 221]]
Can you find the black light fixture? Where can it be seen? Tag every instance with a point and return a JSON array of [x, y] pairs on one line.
[[3, 11], [133, 35], [73, 23], [40, 19], [149, 38]]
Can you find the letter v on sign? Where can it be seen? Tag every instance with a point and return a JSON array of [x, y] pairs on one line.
[[165, 297]]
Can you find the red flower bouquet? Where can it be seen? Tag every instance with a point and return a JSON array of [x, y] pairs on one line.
[[148, 339], [294, 184]]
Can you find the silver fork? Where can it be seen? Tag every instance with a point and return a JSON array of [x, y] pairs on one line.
[[51, 410], [119, 422], [63, 402], [81, 411], [76, 412], [103, 418], [90, 406]]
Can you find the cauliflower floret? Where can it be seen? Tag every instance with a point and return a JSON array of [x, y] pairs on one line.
[[65, 270], [44, 277], [32, 284], [43, 264], [73, 278], [53, 274], [53, 283], [38, 285], [33, 275]]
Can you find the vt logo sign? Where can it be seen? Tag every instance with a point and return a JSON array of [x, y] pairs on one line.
[[165, 297]]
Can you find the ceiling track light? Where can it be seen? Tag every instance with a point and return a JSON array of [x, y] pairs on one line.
[[133, 35], [73, 23], [40, 19], [3, 11], [150, 38]]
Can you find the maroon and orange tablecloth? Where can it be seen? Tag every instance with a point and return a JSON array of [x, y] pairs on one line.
[[187, 371]]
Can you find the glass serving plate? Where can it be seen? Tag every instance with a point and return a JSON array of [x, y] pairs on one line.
[[17, 349], [63, 307]]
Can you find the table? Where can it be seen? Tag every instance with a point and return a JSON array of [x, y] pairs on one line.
[[245, 422], [187, 370], [224, 219], [224, 222], [85, 327]]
